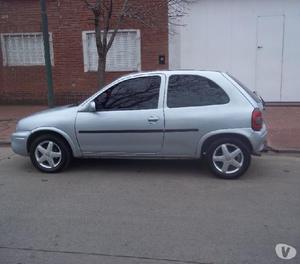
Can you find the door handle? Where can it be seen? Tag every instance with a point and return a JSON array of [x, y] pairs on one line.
[[153, 119]]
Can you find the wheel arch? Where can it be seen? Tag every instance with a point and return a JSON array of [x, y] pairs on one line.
[[206, 141], [53, 131]]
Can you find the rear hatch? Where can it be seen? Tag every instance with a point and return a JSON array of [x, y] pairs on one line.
[[256, 99]]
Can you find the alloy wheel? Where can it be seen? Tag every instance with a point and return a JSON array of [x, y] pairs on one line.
[[228, 158], [48, 154]]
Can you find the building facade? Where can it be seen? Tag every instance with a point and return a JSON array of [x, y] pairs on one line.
[[73, 50], [257, 41]]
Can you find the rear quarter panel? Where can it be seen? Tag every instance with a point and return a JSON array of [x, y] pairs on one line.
[[233, 117]]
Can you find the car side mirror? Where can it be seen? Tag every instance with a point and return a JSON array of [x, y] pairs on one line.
[[92, 106]]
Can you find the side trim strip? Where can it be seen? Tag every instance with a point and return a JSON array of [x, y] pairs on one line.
[[137, 131], [181, 130]]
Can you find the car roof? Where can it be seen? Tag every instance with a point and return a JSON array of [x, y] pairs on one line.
[[171, 72], [178, 71]]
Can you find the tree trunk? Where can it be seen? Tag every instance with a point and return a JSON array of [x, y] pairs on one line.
[[101, 71]]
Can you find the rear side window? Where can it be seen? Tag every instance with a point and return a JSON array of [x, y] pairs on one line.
[[194, 90]]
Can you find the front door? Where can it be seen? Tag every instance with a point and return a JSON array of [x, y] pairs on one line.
[[269, 56], [128, 119]]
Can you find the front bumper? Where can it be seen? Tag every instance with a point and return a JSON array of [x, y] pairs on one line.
[[19, 142]]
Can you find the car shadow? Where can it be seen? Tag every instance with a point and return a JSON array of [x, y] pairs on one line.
[[193, 168], [140, 167]]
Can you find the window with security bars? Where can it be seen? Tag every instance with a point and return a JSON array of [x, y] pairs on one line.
[[24, 49], [124, 54]]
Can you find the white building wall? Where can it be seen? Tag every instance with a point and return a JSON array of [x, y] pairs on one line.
[[222, 35]]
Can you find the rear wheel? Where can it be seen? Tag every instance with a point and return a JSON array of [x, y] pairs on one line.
[[228, 158], [50, 153]]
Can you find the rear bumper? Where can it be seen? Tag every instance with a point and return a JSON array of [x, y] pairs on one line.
[[258, 140], [19, 142]]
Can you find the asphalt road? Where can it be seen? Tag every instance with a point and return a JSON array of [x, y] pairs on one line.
[[121, 212]]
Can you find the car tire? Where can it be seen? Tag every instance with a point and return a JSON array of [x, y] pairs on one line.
[[228, 158], [50, 153]]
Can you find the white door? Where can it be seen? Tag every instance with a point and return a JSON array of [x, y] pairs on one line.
[[269, 57]]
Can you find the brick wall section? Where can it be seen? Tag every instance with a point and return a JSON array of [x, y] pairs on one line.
[[67, 20]]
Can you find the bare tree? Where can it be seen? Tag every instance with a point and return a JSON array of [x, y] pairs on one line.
[[108, 16]]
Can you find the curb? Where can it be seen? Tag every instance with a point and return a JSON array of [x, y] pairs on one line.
[[4, 143], [8, 120], [286, 151]]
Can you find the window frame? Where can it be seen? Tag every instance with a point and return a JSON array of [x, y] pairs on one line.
[[85, 49], [5, 53], [191, 106]]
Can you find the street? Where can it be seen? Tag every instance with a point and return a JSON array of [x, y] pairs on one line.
[[153, 212]]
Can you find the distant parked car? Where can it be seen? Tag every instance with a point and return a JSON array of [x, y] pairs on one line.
[[165, 114]]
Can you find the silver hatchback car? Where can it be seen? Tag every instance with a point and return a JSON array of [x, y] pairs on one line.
[[165, 114]]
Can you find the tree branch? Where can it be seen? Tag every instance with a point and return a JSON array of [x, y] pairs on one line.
[[108, 17], [120, 20]]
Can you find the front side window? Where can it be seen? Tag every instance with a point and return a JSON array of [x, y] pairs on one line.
[[134, 94], [194, 90], [24, 49]]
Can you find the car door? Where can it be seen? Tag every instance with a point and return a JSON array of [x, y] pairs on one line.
[[194, 106], [128, 119]]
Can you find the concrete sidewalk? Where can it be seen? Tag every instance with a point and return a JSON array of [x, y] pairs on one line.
[[283, 124]]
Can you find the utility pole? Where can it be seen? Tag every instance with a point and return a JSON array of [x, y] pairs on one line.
[[47, 53]]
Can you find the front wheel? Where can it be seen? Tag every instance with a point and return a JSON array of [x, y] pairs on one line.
[[228, 158], [50, 153]]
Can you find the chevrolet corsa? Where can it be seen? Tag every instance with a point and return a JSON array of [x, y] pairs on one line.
[[165, 114]]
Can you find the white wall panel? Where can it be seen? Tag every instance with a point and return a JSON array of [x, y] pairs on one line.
[[222, 34], [291, 62]]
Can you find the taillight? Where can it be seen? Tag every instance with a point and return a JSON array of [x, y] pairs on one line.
[[256, 120]]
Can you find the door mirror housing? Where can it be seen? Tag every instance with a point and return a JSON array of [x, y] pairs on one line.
[[88, 107], [92, 106]]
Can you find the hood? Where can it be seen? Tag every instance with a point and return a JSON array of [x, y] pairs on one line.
[[53, 117], [51, 110]]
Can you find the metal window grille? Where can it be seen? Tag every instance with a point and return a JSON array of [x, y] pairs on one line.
[[24, 49], [124, 55]]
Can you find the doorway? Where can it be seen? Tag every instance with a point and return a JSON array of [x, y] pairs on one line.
[[269, 57]]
